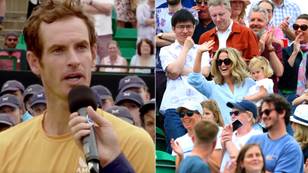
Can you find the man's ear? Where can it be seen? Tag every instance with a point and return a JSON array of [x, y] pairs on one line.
[[34, 63], [94, 54]]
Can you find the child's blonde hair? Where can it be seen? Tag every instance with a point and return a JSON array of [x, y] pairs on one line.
[[259, 62]]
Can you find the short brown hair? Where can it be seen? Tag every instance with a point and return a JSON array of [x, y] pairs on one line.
[[51, 11], [147, 41], [205, 132]]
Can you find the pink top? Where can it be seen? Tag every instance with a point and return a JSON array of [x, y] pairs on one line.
[[8, 64], [119, 61], [277, 32]]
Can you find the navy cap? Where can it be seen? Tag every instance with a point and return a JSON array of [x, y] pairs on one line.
[[131, 82], [129, 96], [147, 106], [10, 100], [121, 112], [32, 89], [12, 85], [102, 91], [7, 119], [244, 105], [37, 98]]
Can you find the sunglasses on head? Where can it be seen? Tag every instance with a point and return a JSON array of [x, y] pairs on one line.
[[226, 61], [236, 113], [266, 112], [302, 27], [188, 113]]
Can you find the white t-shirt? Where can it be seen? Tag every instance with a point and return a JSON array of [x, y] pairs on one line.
[[102, 22], [239, 142], [179, 90], [267, 83]]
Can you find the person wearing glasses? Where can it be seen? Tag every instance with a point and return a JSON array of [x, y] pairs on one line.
[[229, 33], [282, 152], [234, 136], [231, 80], [190, 113], [292, 83], [177, 61]]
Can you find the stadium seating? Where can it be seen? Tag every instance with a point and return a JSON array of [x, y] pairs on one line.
[[165, 163]]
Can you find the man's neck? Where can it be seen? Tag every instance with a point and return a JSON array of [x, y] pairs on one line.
[[174, 8], [55, 120], [225, 29], [277, 2], [201, 152], [277, 131], [243, 130]]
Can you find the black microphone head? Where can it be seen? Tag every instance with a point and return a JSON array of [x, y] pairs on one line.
[[81, 96]]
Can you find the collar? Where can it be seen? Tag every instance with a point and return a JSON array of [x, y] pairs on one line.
[[229, 29]]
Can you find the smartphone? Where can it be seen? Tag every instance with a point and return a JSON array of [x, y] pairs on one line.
[[236, 124]]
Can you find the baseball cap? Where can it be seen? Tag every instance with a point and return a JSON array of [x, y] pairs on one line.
[[244, 105], [7, 119], [37, 98], [121, 112], [300, 115], [131, 82], [130, 96], [9, 100], [102, 91], [12, 85], [31, 89], [147, 106], [191, 105]]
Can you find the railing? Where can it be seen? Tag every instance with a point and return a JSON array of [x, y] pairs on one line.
[[151, 69]]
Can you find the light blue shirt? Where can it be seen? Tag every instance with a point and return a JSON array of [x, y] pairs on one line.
[[220, 93], [26, 116], [281, 155]]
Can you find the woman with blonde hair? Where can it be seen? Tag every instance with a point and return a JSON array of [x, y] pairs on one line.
[[231, 78], [261, 71], [238, 10]]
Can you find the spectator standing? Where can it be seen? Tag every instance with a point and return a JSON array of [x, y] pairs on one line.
[[231, 79], [269, 48], [177, 61], [238, 10], [101, 12], [281, 151], [205, 22], [114, 58], [145, 20], [126, 13], [228, 33], [144, 57], [260, 70], [293, 81]]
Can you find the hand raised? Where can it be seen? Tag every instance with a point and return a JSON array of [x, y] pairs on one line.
[[176, 147], [206, 46], [189, 43]]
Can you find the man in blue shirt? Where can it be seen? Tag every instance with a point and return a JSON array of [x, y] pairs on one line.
[[282, 153]]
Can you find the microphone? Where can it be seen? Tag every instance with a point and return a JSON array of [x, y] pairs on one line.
[[79, 98]]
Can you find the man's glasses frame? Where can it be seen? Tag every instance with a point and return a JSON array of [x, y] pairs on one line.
[[267, 112]]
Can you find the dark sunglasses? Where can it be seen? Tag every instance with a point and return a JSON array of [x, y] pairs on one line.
[[188, 113], [266, 112], [226, 61], [236, 113], [12, 39], [302, 27]]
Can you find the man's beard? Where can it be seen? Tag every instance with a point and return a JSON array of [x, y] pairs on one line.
[[173, 2], [260, 33]]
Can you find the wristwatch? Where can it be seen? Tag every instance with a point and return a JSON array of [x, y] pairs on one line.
[[160, 35]]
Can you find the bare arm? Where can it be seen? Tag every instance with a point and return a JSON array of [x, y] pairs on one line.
[[296, 49], [97, 7], [165, 40], [300, 99], [258, 96], [206, 46]]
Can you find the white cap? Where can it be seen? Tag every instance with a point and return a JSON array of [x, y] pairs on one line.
[[191, 105], [300, 115]]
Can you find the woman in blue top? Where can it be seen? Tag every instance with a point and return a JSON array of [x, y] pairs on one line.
[[231, 78]]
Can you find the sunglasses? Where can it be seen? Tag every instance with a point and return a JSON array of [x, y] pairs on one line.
[[226, 61], [302, 27], [12, 39], [200, 2], [266, 112], [188, 113], [236, 113]]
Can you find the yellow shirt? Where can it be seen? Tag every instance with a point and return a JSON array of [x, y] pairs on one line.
[[26, 148]]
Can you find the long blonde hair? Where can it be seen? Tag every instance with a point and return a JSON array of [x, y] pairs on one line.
[[301, 135], [238, 67]]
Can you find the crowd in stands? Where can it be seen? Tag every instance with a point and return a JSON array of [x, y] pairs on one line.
[[243, 70], [136, 16]]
